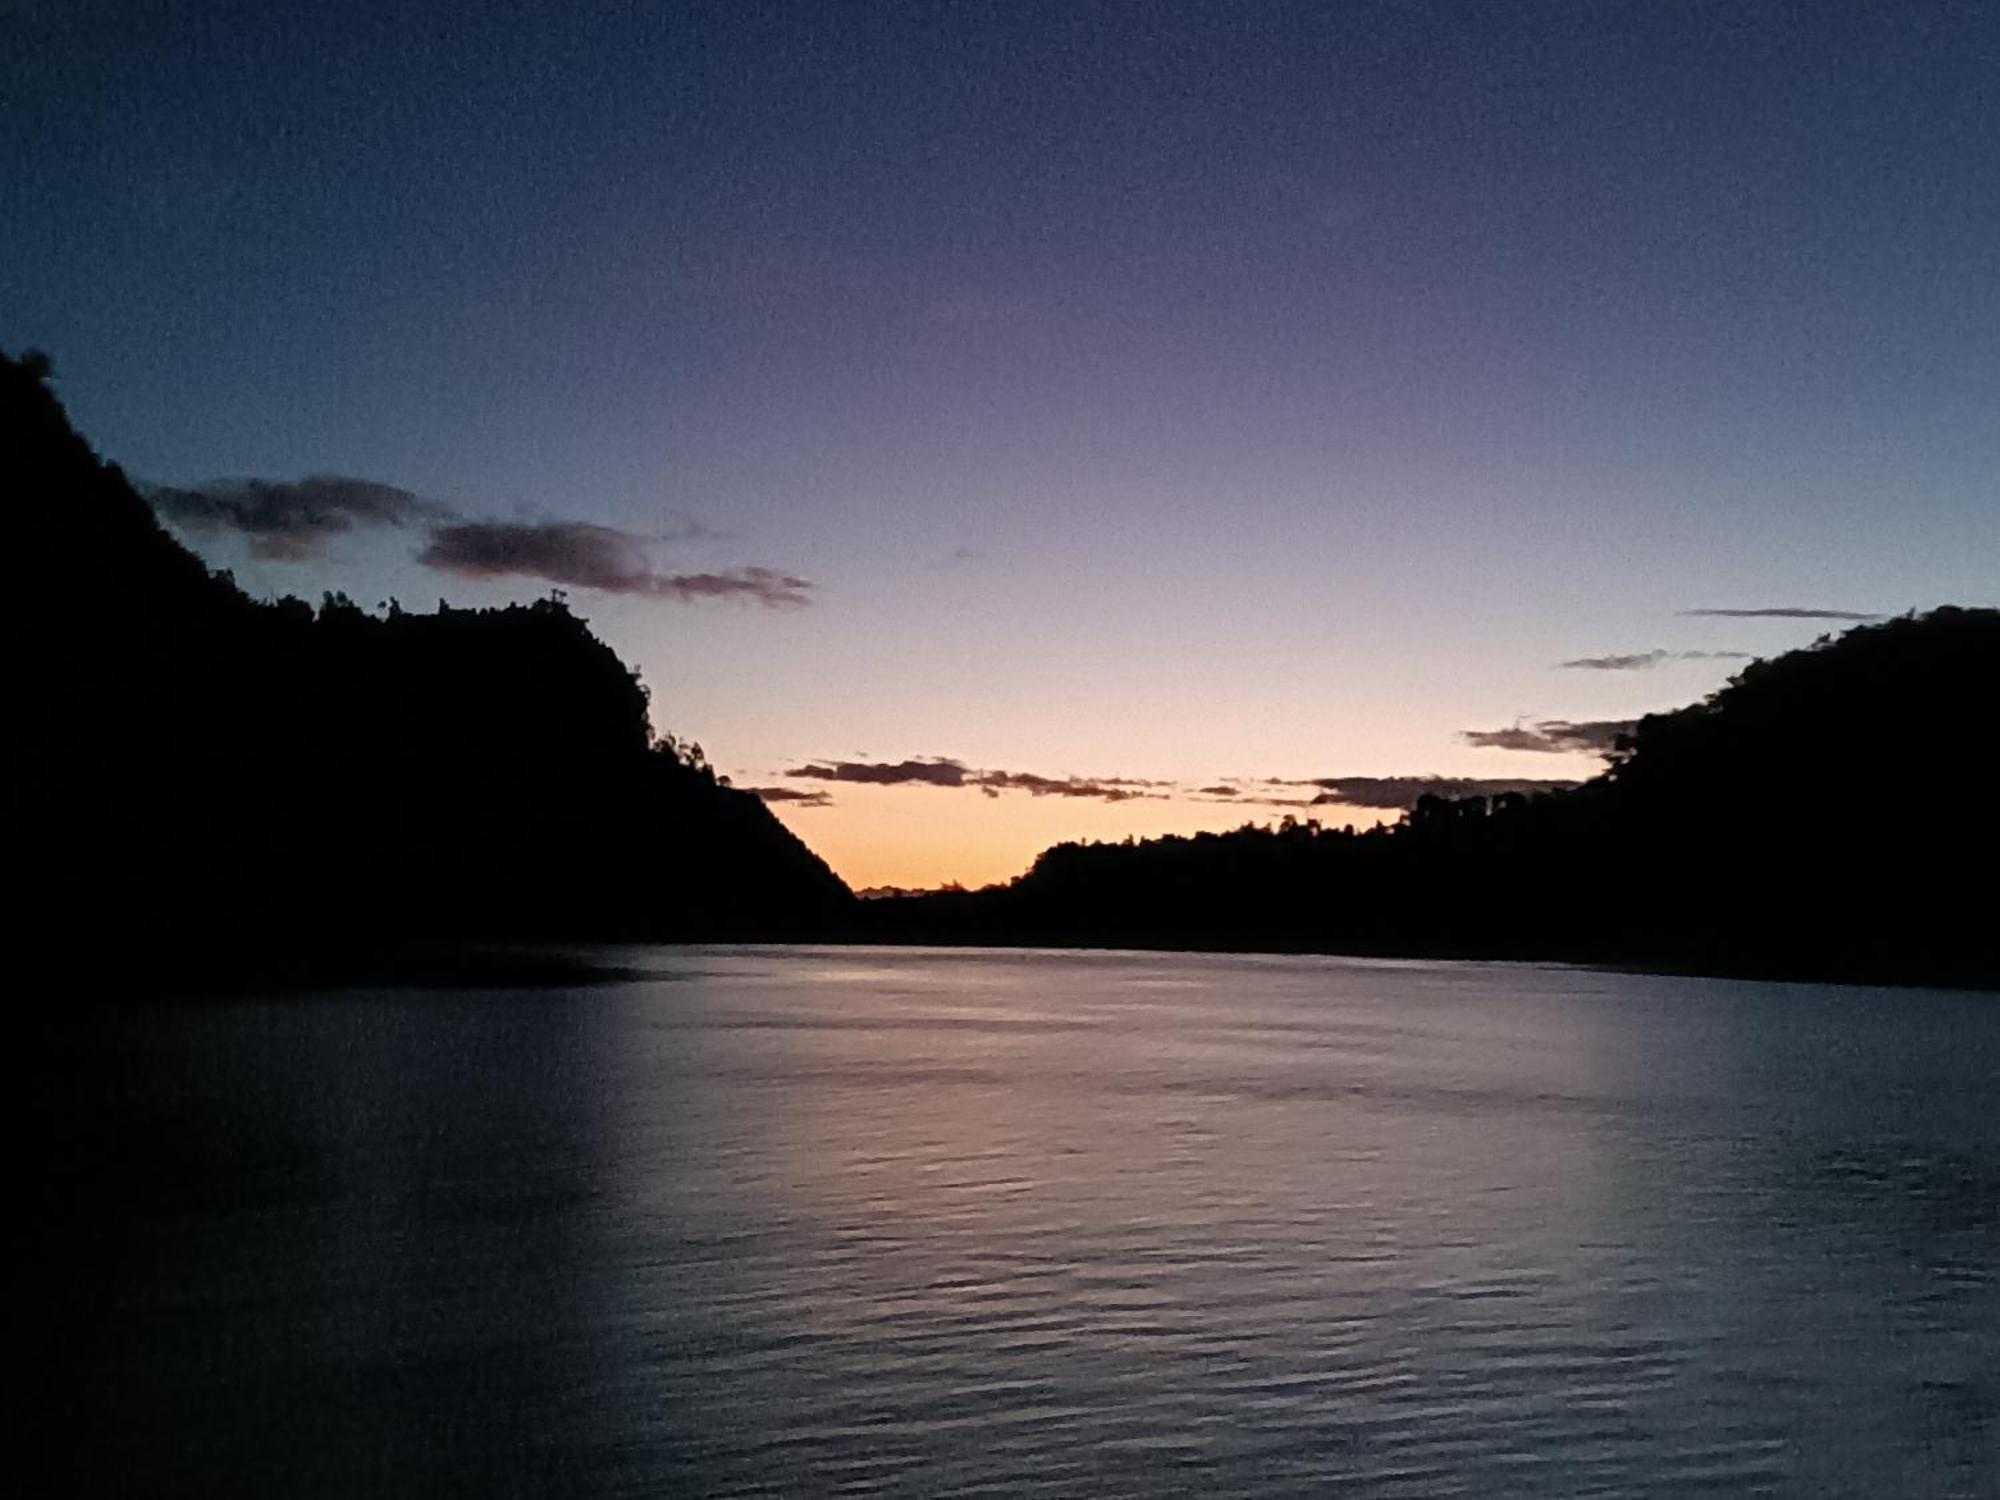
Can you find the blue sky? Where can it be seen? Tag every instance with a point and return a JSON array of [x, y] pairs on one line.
[[1161, 393]]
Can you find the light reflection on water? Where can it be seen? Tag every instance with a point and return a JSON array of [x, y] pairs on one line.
[[921, 1222]]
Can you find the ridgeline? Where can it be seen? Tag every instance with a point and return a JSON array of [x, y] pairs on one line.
[[203, 780], [208, 783], [1829, 814]]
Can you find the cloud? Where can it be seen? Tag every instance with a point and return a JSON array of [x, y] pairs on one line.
[[1554, 736], [292, 520], [1782, 612], [765, 586], [1100, 788], [1638, 661], [936, 772], [1645, 661], [1379, 793], [1403, 791], [941, 771], [1244, 799], [583, 555], [790, 794]]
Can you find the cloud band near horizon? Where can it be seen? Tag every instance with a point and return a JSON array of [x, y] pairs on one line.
[[1645, 661], [1404, 792], [942, 771], [789, 794], [1555, 736], [1781, 612], [1375, 793]]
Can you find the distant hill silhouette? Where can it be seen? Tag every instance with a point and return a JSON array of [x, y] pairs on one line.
[[208, 775], [200, 778], [1830, 813]]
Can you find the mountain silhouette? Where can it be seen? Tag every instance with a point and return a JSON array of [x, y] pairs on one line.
[[1828, 814], [202, 777]]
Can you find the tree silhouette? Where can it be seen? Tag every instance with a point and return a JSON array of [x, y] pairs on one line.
[[1824, 814], [202, 774]]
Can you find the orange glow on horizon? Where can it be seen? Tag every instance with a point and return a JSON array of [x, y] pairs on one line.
[[921, 837]]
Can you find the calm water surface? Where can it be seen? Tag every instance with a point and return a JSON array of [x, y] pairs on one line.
[[817, 1221]]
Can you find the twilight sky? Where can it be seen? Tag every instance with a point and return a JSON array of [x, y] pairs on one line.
[[990, 424]]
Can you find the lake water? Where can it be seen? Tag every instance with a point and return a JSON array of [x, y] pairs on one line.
[[917, 1222]]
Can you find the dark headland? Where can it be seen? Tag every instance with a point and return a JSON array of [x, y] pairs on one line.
[[206, 785], [1827, 815]]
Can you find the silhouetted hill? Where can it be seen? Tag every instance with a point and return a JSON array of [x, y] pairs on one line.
[[1829, 813], [208, 774]]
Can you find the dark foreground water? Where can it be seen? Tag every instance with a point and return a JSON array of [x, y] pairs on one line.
[[926, 1223]]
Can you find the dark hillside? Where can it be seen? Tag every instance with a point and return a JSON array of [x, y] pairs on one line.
[[205, 774], [1827, 814]]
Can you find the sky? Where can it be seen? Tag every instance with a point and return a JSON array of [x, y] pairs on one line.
[[986, 425]]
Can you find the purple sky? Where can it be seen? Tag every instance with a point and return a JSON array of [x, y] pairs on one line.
[[1202, 395]]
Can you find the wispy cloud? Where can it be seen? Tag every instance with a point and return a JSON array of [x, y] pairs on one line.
[[790, 794], [1554, 736], [579, 554], [1404, 791], [1242, 798], [1645, 661], [934, 772], [945, 772], [1098, 788], [1782, 612], [766, 586], [1376, 792], [293, 520]]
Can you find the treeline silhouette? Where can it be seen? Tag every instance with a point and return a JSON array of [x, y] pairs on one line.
[[1829, 814], [204, 780], [201, 777]]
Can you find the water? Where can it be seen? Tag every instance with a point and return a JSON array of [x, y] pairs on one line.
[[819, 1221]]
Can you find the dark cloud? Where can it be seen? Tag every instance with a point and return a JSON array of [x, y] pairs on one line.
[[1100, 788], [293, 520], [1638, 661], [1246, 799], [1782, 612], [939, 771], [1403, 791], [765, 586], [1642, 661], [1555, 736], [582, 555], [570, 552], [791, 794], [885, 773]]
